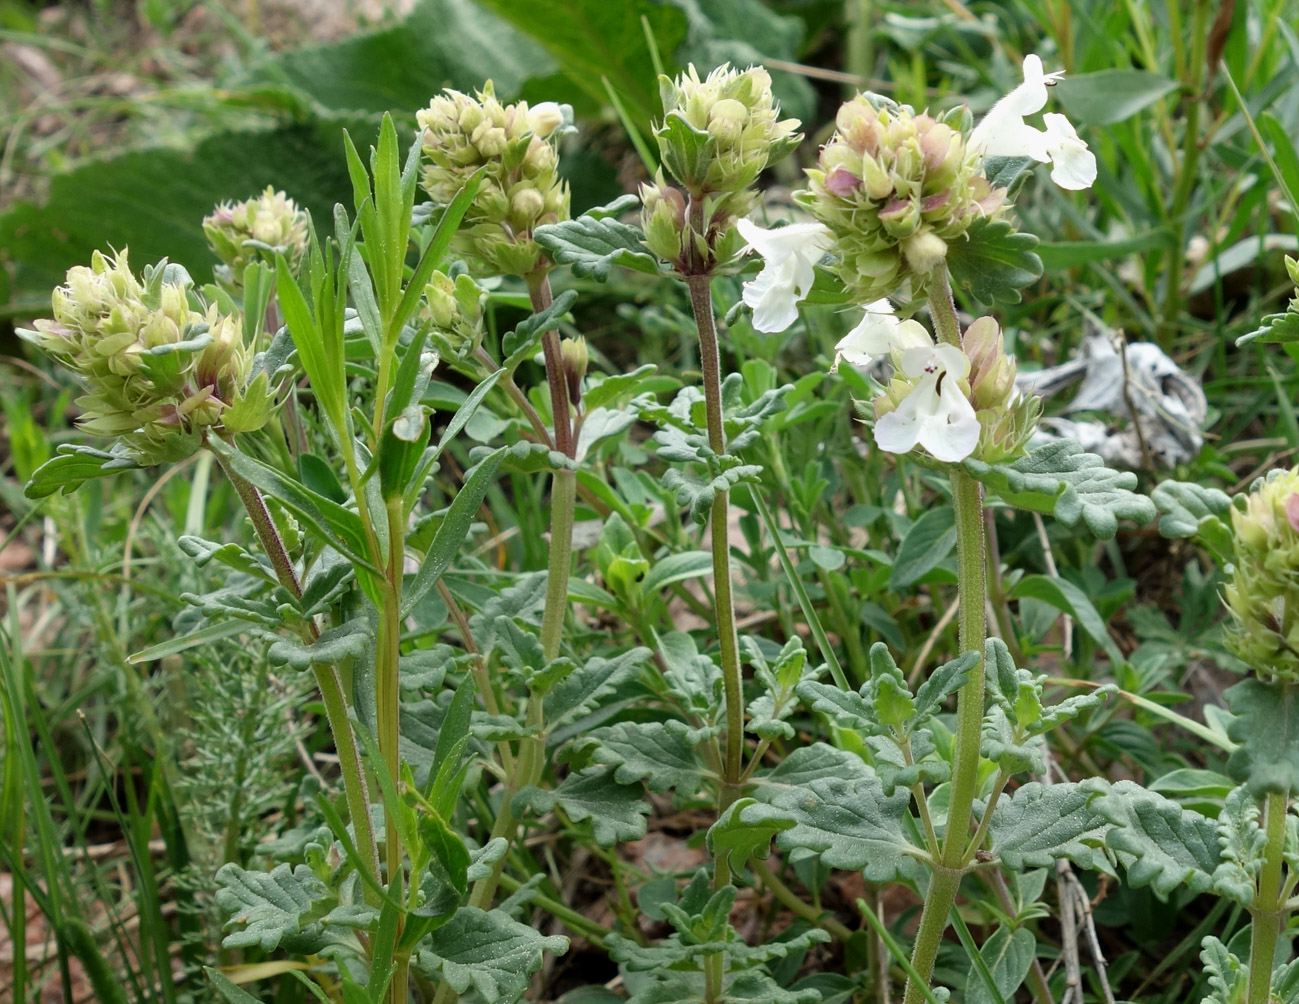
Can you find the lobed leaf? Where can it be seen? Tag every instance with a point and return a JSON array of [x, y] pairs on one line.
[[617, 811], [591, 247], [487, 951], [993, 262], [1160, 843]]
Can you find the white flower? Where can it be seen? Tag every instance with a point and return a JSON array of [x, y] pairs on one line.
[[1004, 133], [879, 333], [790, 255], [936, 414]]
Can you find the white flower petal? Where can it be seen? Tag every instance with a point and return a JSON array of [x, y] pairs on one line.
[[1004, 133], [952, 435], [1073, 166], [936, 414], [790, 255]]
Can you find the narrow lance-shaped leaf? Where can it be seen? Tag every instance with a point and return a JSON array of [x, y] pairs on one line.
[[451, 534]]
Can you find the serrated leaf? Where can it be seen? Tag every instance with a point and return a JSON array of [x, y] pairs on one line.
[[993, 262], [591, 247], [1040, 824], [271, 906], [892, 768], [807, 764], [1062, 479], [352, 640], [852, 825], [659, 753], [582, 690], [1267, 728], [1241, 841], [698, 495], [1276, 329], [230, 554], [673, 953], [1160, 843], [617, 811], [1192, 510], [732, 838], [488, 951], [73, 466], [521, 343]]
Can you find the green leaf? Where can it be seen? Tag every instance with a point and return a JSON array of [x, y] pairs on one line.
[[591, 247], [617, 811], [1188, 510], [807, 764], [677, 568], [72, 467], [1243, 843], [451, 533], [1062, 479], [1160, 843], [926, 545], [271, 906], [1068, 598], [488, 951], [852, 825], [1007, 956], [660, 753], [610, 388], [230, 992], [331, 522], [1040, 823], [687, 151], [1059, 255], [736, 840], [521, 343], [581, 692], [350, 640], [592, 40], [231, 555], [1109, 96], [1267, 728], [993, 262]]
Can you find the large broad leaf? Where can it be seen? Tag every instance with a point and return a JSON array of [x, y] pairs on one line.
[[926, 545], [851, 824], [271, 907], [594, 39], [617, 811], [993, 262], [1109, 96], [1042, 823], [1267, 728], [660, 753], [154, 201], [1160, 843], [807, 764], [1063, 479], [490, 952], [738, 840], [441, 43], [591, 246], [582, 690]]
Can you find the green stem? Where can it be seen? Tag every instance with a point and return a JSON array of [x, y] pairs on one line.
[[563, 496], [791, 901], [1186, 173], [327, 680], [701, 300], [387, 673], [1268, 908], [967, 498]]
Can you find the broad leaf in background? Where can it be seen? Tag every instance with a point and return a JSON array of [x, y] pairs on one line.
[[1109, 96]]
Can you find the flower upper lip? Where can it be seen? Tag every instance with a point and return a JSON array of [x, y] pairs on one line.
[[1004, 133], [790, 255]]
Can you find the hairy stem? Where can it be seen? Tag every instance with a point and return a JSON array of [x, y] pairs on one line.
[[967, 498], [327, 680], [1268, 909]]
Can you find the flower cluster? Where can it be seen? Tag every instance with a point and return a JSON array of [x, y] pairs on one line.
[[453, 307], [895, 188], [159, 374], [515, 146], [255, 229], [716, 137], [1263, 594], [891, 191]]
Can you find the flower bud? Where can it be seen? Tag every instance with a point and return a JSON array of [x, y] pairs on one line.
[[573, 353], [520, 188], [896, 188], [454, 310], [1263, 594], [663, 219], [737, 113], [255, 229]]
